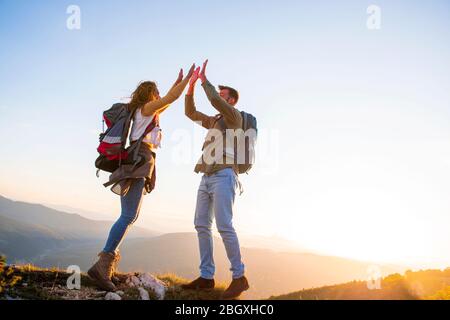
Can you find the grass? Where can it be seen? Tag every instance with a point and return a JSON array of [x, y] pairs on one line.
[[44, 284], [176, 293], [31, 282]]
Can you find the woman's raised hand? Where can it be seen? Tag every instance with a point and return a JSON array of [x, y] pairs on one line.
[[180, 78], [191, 71]]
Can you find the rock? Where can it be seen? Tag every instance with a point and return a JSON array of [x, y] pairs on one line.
[[112, 296], [59, 291], [149, 281], [143, 293], [133, 281], [120, 293]]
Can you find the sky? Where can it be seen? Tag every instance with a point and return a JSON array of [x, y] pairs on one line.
[[353, 153]]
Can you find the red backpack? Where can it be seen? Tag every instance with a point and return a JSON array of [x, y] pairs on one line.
[[112, 150]]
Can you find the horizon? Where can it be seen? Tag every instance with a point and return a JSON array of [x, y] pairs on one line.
[[353, 154], [251, 241]]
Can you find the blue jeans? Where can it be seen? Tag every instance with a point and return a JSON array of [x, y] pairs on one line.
[[215, 198], [131, 205]]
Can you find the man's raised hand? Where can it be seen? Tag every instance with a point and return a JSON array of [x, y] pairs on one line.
[[194, 77], [192, 82], [202, 74]]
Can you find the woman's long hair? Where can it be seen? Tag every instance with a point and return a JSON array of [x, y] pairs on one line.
[[144, 93]]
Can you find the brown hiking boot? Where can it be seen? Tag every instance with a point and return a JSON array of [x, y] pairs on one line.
[[237, 286], [114, 277], [101, 271], [199, 283]]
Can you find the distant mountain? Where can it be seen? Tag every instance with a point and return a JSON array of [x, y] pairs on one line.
[[29, 230], [270, 272], [32, 233], [70, 224], [413, 285], [20, 240], [270, 242], [84, 213]]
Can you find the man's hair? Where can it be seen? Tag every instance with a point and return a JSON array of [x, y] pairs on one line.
[[233, 92]]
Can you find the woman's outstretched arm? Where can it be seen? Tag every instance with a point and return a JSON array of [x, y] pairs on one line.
[[179, 79], [174, 93]]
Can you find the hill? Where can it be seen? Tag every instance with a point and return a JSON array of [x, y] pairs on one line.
[[22, 240], [413, 285], [32, 283], [28, 230], [71, 225]]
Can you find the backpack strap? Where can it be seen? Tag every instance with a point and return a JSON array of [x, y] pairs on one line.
[[125, 131], [244, 119], [127, 127], [217, 118]]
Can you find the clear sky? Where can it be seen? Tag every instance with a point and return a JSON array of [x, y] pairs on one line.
[[354, 146]]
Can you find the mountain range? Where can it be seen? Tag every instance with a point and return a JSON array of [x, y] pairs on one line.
[[33, 233]]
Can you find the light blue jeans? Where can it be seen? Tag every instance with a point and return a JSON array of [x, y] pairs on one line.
[[215, 198], [131, 205]]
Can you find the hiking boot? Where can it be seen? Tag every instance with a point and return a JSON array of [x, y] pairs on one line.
[[114, 276], [101, 271], [237, 286], [199, 283]]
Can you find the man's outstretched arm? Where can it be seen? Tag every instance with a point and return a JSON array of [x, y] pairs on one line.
[[231, 115], [189, 105]]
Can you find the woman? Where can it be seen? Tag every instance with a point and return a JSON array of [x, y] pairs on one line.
[[131, 182]]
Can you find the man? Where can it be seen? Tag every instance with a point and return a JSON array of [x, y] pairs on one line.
[[218, 186]]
